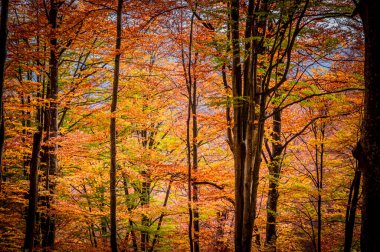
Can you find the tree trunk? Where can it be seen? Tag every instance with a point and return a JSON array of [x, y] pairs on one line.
[[195, 162], [126, 193], [189, 175], [319, 138], [145, 222], [192, 145], [25, 123], [351, 210], [49, 157], [274, 177], [320, 185], [33, 191], [251, 88], [115, 88], [155, 239], [3, 56], [248, 128], [368, 149], [237, 148], [220, 244]]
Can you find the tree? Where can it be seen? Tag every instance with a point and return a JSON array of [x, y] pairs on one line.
[[3, 56], [253, 83], [115, 90], [368, 150], [191, 139], [33, 192], [49, 157], [352, 204]]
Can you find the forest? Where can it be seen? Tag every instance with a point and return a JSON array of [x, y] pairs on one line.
[[190, 125]]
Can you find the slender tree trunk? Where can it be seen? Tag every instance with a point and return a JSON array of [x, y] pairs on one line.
[[145, 222], [133, 234], [220, 244], [91, 229], [368, 149], [195, 168], [104, 225], [320, 188], [319, 137], [92, 234], [155, 239], [3, 56], [319, 233], [237, 129], [32, 215], [195, 192], [351, 210], [40, 121], [25, 124], [33, 190], [191, 144], [274, 177], [189, 177], [148, 142], [51, 128], [115, 88]]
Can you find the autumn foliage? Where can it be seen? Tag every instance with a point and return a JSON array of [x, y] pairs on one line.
[[179, 109]]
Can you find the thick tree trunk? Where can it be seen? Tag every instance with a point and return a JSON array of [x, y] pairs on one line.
[[248, 128], [33, 190], [368, 149], [113, 168], [3, 56]]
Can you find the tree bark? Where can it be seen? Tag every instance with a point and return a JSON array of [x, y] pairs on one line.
[[192, 145], [368, 149], [195, 192], [237, 148], [248, 129], [113, 168], [320, 184], [33, 191], [3, 56], [49, 157], [319, 137], [351, 210], [251, 88], [274, 177]]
